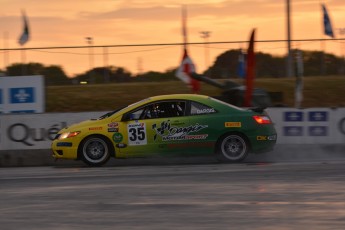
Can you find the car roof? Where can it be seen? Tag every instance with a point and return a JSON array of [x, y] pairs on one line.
[[178, 96]]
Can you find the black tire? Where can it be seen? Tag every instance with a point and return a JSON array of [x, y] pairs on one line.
[[95, 150], [232, 148]]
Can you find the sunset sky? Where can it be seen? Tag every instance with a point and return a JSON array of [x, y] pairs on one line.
[[127, 22]]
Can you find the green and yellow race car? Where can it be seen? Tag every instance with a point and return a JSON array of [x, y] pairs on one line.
[[180, 124]]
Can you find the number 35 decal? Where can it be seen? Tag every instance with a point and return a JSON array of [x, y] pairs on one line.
[[137, 134]]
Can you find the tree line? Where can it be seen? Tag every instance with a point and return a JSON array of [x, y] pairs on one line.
[[316, 63]]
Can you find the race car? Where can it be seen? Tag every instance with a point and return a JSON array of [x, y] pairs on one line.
[[169, 125]]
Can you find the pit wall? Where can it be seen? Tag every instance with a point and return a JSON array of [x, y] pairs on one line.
[[32, 133]]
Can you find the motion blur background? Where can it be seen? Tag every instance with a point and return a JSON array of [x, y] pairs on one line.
[[119, 40]]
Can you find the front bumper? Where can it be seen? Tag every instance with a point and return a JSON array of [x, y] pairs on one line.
[[64, 150]]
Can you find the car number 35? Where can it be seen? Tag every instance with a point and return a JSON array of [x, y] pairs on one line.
[[137, 134]]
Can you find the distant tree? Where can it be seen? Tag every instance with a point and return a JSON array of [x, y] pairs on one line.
[[168, 75], [105, 75], [54, 75], [19, 69]]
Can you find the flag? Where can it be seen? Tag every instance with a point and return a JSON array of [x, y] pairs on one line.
[[187, 66], [241, 67], [327, 22], [250, 71], [24, 38], [184, 72]]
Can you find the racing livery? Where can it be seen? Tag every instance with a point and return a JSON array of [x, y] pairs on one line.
[[179, 124]]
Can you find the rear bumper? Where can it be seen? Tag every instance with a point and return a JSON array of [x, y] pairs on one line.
[[263, 143]]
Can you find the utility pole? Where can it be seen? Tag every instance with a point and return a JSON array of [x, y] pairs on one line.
[[89, 41], [289, 54]]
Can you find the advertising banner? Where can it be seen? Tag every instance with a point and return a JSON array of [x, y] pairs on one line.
[[309, 126], [36, 131], [24, 94]]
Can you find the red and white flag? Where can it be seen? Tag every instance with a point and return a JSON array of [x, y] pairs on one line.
[[187, 66], [184, 72]]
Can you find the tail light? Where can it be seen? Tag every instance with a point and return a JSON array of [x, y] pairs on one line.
[[261, 119]]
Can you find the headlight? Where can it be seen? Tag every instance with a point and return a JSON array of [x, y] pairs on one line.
[[68, 135]]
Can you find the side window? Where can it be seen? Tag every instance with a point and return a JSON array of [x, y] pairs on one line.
[[169, 109], [159, 110], [198, 109]]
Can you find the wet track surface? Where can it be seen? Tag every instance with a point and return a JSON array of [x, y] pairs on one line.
[[200, 195]]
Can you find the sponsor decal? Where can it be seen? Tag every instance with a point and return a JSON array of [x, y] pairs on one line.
[[121, 145], [261, 138], [113, 125], [117, 137], [112, 130], [22, 95], [95, 128], [169, 133], [205, 111], [137, 133], [236, 124], [64, 144]]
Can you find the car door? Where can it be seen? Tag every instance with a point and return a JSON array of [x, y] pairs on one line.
[[166, 127]]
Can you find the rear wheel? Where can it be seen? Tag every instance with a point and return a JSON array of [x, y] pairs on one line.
[[95, 151], [232, 148]]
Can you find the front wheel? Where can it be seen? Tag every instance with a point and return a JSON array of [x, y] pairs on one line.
[[95, 151], [232, 148]]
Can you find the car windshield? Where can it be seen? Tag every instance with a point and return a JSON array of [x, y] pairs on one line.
[[120, 109]]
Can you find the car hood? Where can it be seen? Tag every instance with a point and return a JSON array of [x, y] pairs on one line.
[[81, 125]]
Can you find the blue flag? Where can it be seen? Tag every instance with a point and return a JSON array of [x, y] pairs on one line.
[[24, 37], [241, 67], [327, 22]]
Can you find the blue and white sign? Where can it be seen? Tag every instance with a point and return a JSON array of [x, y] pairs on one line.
[[293, 116], [317, 131], [24, 94], [293, 131], [318, 116]]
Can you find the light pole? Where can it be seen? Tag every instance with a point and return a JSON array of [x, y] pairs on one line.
[[205, 35], [289, 54], [89, 41]]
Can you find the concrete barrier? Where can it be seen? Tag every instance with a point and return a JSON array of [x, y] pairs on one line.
[[306, 134]]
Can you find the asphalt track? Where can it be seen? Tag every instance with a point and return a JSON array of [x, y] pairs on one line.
[[204, 194]]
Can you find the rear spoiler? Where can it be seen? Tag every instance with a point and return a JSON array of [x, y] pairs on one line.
[[258, 109]]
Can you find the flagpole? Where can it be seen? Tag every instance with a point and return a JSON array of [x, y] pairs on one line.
[[6, 51], [23, 56]]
